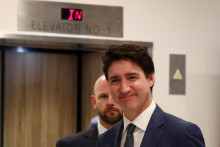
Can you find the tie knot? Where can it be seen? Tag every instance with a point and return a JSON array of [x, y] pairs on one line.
[[131, 128]]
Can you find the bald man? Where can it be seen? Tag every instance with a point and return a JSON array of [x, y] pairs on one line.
[[109, 114]]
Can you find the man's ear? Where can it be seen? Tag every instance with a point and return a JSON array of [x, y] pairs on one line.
[[151, 79], [93, 101]]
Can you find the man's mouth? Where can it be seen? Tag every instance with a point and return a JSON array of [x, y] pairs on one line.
[[111, 110], [126, 96]]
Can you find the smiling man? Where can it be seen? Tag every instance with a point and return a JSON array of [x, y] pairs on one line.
[[109, 114], [130, 74]]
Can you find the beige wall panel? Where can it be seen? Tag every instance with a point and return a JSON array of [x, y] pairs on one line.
[[40, 98], [91, 70]]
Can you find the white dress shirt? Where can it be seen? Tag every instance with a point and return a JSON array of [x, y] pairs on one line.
[[141, 123], [101, 128]]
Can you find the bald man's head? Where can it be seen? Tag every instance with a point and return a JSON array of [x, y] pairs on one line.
[[100, 82], [109, 112]]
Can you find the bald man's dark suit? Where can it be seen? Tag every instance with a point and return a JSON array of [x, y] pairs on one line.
[[163, 130], [82, 139]]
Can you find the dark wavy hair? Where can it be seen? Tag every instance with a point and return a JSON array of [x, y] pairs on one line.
[[128, 52]]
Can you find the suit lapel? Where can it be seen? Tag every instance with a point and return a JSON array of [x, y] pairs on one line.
[[116, 134], [153, 132], [119, 133]]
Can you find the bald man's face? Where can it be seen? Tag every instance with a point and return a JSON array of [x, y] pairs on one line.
[[108, 110]]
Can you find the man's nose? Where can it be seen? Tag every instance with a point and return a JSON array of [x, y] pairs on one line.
[[111, 102], [124, 88]]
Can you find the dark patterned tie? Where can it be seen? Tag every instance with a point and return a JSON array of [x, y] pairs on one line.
[[129, 142]]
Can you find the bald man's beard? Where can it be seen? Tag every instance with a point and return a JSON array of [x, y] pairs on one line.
[[112, 119]]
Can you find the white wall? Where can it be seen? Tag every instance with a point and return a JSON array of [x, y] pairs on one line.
[[175, 27]]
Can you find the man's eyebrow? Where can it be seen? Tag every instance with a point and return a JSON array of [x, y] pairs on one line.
[[113, 77], [132, 74], [127, 74]]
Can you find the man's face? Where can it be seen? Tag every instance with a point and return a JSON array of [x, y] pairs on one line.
[[108, 110], [129, 86]]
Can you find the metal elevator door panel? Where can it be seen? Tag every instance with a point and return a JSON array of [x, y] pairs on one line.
[[91, 70], [40, 98]]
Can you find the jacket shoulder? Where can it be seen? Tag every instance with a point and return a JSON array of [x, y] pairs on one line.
[[180, 132], [77, 139], [162, 118]]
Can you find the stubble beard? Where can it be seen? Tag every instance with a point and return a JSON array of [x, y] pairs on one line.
[[110, 119]]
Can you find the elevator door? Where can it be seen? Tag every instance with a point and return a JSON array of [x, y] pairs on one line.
[[40, 98], [91, 70]]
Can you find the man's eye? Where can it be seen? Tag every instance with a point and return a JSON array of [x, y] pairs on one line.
[[104, 96], [132, 77], [114, 81]]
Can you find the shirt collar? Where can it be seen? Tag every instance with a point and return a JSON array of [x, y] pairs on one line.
[[143, 119], [101, 128]]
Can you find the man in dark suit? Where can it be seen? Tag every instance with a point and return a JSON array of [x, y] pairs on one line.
[[130, 74], [108, 111]]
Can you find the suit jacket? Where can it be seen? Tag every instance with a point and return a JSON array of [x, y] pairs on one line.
[[163, 130], [82, 139]]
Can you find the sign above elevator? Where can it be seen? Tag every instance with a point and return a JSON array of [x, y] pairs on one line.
[[69, 18], [71, 14]]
